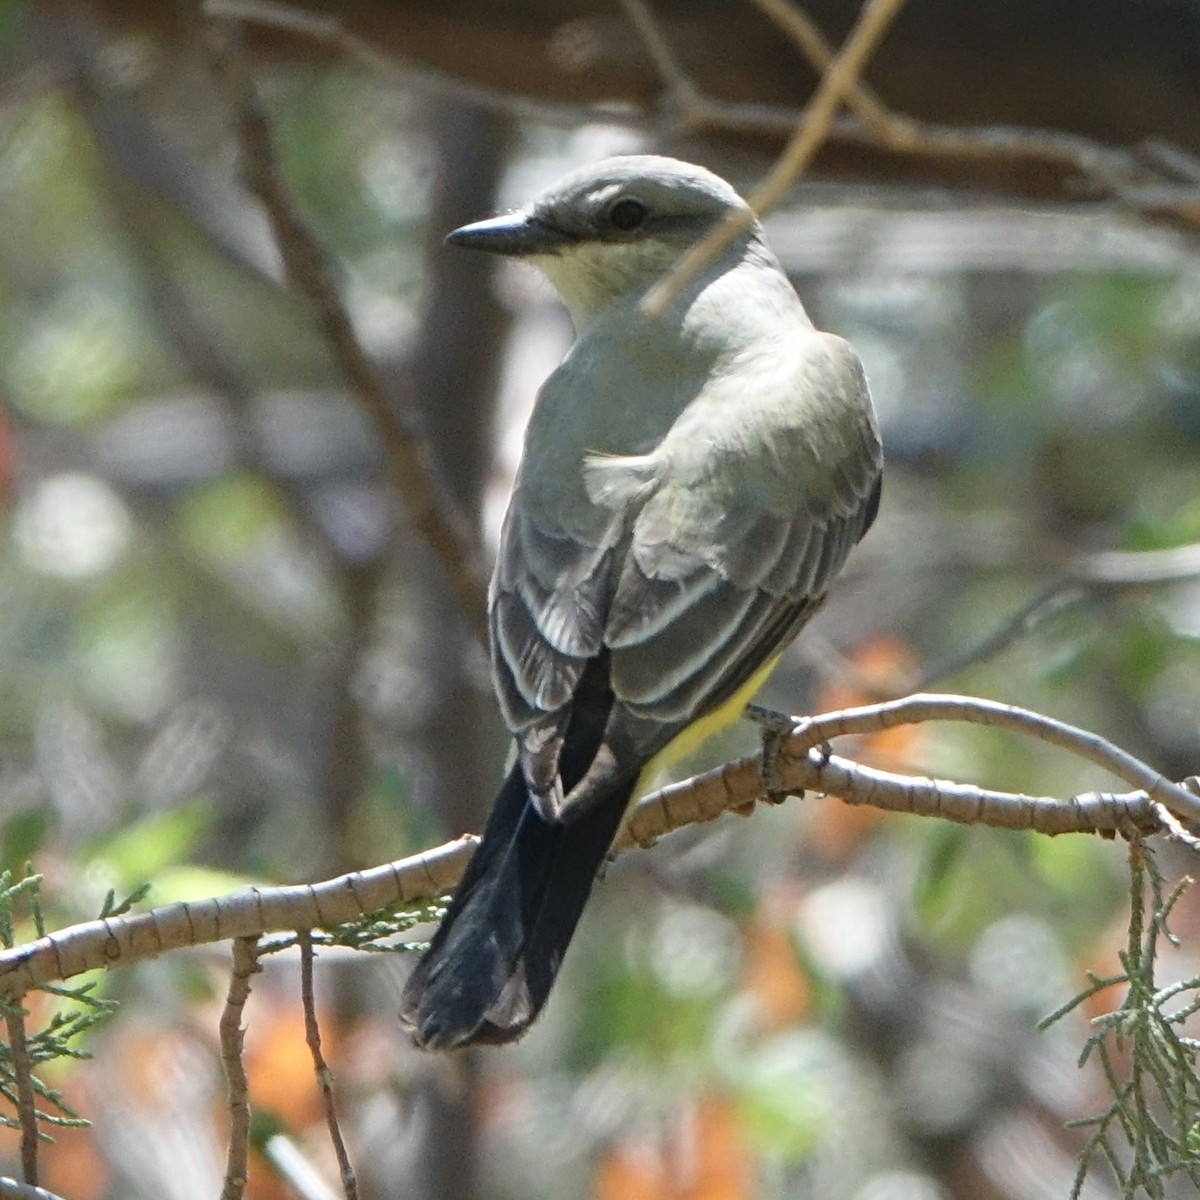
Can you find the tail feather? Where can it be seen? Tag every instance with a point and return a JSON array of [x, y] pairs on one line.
[[494, 958]]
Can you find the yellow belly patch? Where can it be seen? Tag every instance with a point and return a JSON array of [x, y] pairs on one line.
[[699, 731]]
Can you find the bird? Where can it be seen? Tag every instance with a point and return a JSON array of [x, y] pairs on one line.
[[690, 484]]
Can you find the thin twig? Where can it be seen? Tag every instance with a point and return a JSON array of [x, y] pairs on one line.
[[1077, 166], [1085, 576], [873, 21], [1060, 593], [312, 1035], [22, 1069], [801, 28], [410, 464], [683, 92], [232, 1037]]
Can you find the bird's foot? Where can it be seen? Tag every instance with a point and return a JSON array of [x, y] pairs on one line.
[[777, 727]]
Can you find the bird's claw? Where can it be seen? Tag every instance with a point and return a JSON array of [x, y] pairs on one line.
[[777, 727]]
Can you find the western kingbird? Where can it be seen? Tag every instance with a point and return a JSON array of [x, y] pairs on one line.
[[689, 487]]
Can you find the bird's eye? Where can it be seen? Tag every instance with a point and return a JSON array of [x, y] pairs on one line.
[[626, 214]]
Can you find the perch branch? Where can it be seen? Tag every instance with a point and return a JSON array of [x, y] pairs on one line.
[[800, 765], [810, 732]]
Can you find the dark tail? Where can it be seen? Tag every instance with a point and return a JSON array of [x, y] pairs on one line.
[[493, 960]]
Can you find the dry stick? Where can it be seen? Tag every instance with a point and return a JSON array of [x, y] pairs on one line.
[[409, 463], [26, 1095], [863, 102], [232, 1036], [844, 71], [661, 53], [312, 1035]]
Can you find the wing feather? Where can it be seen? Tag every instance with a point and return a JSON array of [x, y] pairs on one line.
[[700, 560]]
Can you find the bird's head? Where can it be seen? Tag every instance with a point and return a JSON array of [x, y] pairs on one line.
[[608, 231]]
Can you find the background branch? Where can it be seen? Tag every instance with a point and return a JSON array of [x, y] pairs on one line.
[[1013, 159], [232, 1036], [312, 1037], [813, 128], [409, 462]]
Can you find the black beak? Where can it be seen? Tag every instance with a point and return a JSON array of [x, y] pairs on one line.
[[515, 234]]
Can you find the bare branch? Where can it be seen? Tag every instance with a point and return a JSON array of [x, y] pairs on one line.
[[912, 710], [873, 21], [1108, 570], [409, 463], [800, 27], [683, 93], [1138, 568], [232, 1035], [1032, 163], [120, 940], [26, 1095], [312, 1036], [800, 765], [332, 34], [1057, 595], [737, 786]]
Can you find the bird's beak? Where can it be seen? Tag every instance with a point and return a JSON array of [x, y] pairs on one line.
[[516, 234]]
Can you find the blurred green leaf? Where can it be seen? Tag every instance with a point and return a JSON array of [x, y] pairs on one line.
[[230, 516], [21, 837], [1179, 528], [144, 850], [944, 849], [1143, 649], [784, 1095]]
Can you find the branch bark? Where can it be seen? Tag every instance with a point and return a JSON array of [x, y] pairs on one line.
[[232, 1036], [799, 762]]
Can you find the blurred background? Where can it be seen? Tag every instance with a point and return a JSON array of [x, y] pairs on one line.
[[226, 657]]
